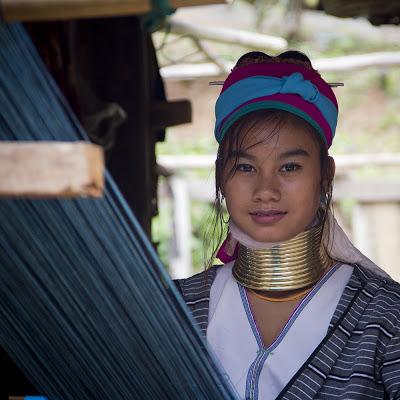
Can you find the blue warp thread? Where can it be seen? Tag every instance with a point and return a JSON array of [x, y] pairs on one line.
[[86, 308]]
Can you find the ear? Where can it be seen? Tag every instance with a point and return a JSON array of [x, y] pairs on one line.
[[330, 174]]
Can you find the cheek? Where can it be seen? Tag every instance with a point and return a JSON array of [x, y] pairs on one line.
[[314, 195], [305, 191]]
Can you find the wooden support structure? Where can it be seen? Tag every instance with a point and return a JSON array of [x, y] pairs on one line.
[[358, 61], [51, 169], [44, 10], [125, 72], [170, 113], [50, 10], [227, 35], [378, 12], [343, 162], [180, 254], [343, 63], [191, 3]]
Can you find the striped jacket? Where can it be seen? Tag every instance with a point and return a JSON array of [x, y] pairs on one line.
[[359, 358]]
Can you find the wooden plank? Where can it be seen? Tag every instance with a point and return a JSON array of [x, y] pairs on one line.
[[333, 64], [51, 169], [44, 10], [366, 191], [353, 8], [343, 162], [358, 61], [190, 3], [227, 35], [170, 113]]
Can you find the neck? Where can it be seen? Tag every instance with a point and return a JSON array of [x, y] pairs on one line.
[[286, 266]]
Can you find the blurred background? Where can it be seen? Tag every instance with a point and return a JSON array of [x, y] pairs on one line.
[[354, 42]]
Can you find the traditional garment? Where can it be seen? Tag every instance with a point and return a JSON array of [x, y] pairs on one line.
[[343, 340], [358, 357], [255, 370]]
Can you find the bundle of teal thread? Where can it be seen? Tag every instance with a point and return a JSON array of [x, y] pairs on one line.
[[87, 311]]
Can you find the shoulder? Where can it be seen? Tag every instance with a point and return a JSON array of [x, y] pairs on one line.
[[196, 294], [198, 285], [384, 295], [378, 285]]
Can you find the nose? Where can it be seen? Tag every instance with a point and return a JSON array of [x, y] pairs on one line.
[[266, 188]]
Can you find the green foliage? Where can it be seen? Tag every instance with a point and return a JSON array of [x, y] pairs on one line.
[[202, 228], [161, 231]]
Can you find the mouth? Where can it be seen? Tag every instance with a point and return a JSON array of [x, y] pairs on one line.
[[267, 217], [267, 213]]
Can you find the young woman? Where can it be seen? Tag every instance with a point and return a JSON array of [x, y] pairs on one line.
[[296, 312]]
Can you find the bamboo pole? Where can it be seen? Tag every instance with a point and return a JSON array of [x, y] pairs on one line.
[[43, 10]]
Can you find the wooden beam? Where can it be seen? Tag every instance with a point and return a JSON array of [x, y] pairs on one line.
[[227, 35], [356, 8], [170, 113], [358, 61], [190, 3], [343, 162], [45, 10], [384, 59], [51, 169], [49, 10]]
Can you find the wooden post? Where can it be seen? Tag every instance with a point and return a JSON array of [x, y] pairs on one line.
[[180, 254]]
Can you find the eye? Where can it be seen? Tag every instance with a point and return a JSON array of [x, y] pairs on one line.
[[290, 167], [245, 168]]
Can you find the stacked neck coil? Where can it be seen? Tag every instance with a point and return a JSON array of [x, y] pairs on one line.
[[291, 265]]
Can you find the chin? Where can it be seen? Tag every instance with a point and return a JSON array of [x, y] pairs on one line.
[[274, 237]]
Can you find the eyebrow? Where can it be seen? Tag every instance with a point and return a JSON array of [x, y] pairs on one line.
[[240, 153], [294, 152]]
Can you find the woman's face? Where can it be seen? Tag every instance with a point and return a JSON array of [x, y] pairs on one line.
[[275, 190]]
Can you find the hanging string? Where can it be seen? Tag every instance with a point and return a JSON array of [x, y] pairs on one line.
[[87, 310]]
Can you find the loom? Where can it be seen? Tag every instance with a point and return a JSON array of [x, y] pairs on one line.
[[87, 310]]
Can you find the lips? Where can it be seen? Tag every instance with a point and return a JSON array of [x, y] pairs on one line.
[[267, 212], [267, 217]]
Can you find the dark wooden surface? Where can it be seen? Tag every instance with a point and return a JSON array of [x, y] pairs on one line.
[[377, 11], [117, 61]]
